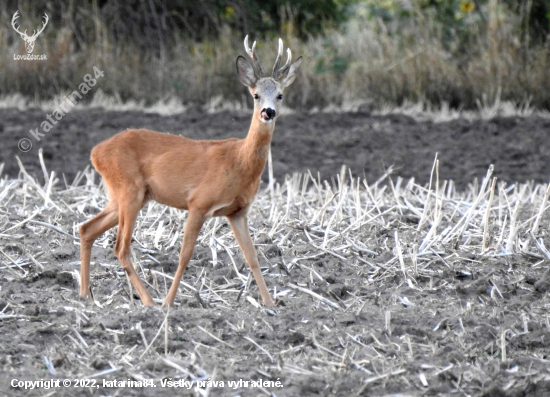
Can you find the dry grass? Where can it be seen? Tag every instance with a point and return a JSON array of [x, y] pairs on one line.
[[382, 64], [171, 106], [422, 244]]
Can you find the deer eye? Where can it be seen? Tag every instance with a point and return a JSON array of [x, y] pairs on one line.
[[256, 96], [280, 97]]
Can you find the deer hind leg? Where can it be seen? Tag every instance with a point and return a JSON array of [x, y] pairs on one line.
[[128, 211], [192, 229], [239, 224], [89, 232]]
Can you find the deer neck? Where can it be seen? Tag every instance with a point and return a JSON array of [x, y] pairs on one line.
[[256, 145]]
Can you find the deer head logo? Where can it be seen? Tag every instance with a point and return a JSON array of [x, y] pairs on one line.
[[29, 40]]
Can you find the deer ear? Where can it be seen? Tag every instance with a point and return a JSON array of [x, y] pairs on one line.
[[289, 74], [246, 73]]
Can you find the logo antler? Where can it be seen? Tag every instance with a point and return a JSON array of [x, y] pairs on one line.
[[29, 40]]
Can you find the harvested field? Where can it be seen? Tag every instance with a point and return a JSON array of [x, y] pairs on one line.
[[385, 287]]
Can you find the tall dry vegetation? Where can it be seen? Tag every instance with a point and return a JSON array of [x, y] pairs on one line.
[[407, 54]]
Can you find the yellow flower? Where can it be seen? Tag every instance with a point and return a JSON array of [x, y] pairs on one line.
[[467, 6], [229, 11]]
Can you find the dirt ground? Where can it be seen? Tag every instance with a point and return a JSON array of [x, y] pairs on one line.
[[368, 145], [434, 330]]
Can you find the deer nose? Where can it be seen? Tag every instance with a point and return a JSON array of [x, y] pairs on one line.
[[270, 113], [267, 114]]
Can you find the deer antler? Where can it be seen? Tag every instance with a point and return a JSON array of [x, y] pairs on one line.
[[252, 54], [15, 16], [276, 70], [43, 25]]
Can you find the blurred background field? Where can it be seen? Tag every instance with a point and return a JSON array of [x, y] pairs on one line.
[[454, 53]]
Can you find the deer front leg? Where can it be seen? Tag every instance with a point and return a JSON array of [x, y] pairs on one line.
[[239, 224], [191, 232]]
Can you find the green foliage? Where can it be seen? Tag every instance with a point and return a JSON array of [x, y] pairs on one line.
[[155, 23], [462, 18], [300, 18], [535, 15]]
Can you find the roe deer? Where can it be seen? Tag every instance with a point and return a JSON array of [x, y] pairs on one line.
[[207, 178]]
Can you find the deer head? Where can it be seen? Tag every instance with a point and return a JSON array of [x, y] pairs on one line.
[[29, 40], [267, 91]]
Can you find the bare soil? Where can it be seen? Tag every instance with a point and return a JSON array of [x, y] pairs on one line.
[[438, 335], [367, 144]]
